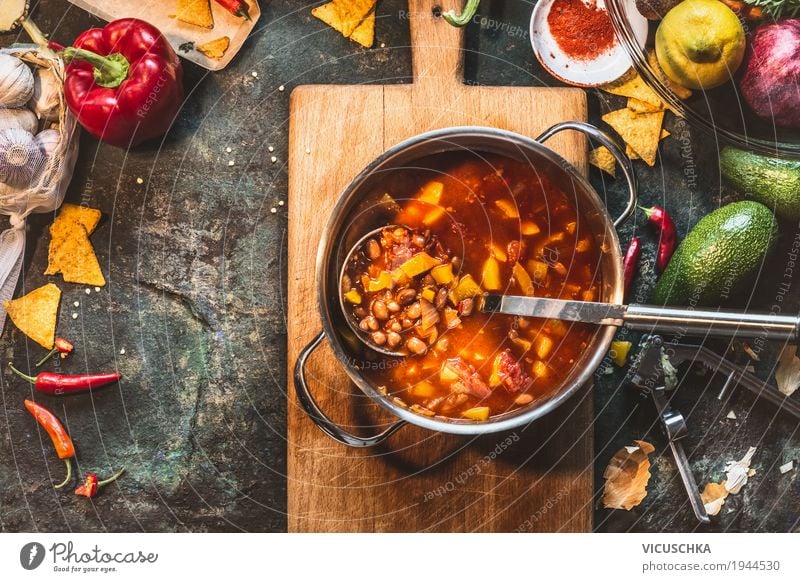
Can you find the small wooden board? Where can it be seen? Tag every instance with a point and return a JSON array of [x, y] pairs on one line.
[[537, 478], [160, 13]]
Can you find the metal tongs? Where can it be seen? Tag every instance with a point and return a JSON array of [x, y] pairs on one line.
[[647, 374]]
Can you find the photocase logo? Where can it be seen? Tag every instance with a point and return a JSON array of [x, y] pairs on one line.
[[31, 555]]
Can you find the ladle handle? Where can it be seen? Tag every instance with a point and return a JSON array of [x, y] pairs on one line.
[[322, 420], [702, 322]]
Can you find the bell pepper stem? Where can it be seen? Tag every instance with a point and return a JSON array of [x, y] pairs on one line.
[[109, 71], [466, 15], [30, 379], [47, 357], [69, 475], [111, 479]]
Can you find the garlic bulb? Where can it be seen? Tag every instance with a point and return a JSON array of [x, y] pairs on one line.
[[16, 82], [19, 118], [46, 88], [48, 141], [21, 159]]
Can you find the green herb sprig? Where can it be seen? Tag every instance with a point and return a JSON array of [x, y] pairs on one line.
[[777, 8]]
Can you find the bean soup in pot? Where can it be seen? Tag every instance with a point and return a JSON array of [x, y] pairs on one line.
[[464, 225]]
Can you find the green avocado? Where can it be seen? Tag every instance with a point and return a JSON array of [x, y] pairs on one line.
[[724, 249], [774, 182]]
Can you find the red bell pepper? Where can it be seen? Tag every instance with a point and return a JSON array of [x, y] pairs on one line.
[[124, 82]]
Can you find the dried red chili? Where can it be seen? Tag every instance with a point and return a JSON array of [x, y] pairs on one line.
[[58, 384], [631, 262], [65, 449], [62, 347], [582, 30], [668, 234], [91, 485]]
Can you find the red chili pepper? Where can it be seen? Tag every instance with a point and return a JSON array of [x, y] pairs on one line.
[[236, 7], [65, 449], [91, 485], [62, 347], [124, 82], [668, 234], [630, 264], [58, 384]]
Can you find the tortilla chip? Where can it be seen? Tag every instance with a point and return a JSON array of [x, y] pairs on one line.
[[641, 131], [680, 91], [632, 85], [346, 15], [196, 12], [602, 158], [70, 252], [364, 34], [74, 258], [638, 106], [89, 218], [35, 314], [215, 49]]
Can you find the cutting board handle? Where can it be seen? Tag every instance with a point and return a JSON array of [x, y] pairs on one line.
[[435, 45]]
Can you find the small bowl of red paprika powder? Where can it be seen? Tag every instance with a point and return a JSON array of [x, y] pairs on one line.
[[576, 43]]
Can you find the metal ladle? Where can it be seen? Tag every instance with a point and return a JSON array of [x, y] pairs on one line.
[[650, 318]]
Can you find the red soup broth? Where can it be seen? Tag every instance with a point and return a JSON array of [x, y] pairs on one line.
[[513, 231]]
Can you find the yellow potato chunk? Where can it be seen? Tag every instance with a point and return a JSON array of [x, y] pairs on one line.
[[491, 275], [477, 413]]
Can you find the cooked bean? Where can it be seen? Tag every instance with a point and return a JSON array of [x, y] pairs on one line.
[[393, 306], [466, 306], [369, 323], [416, 346], [418, 240], [360, 312], [428, 281], [523, 399], [414, 311], [393, 339], [441, 298], [442, 344], [378, 338], [406, 296], [380, 310], [395, 325], [373, 249], [347, 283], [407, 323]]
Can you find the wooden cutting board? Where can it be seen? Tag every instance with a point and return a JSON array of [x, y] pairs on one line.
[[537, 478]]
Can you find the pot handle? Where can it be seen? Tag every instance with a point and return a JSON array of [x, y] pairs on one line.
[[624, 162], [328, 426]]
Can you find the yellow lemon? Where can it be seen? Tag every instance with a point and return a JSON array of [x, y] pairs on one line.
[[700, 43]]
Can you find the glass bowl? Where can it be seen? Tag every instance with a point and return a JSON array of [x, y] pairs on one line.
[[720, 111]]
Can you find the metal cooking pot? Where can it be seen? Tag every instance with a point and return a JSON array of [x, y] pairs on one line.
[[363, 207]]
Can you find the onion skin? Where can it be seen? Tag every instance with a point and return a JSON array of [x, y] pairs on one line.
[[771, 81]]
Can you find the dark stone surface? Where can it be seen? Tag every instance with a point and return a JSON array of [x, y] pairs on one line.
[[196, 295]]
